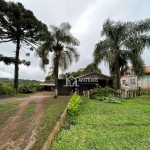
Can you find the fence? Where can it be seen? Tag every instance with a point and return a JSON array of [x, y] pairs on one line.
[[127, 94], [119, 93]]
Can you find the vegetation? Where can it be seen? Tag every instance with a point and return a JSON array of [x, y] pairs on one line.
[[124, 42], [30, 87], [74, 105], [6, 89], [88, 69], [145, 92], [98, 93], [6, 111], [50, 74], [52, 113], [91, 68], [8, 80], [19, 26], [104, 94], [24, 88], [103, 126], [63, 45]]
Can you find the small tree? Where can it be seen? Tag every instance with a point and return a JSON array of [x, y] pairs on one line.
[[19, 26]]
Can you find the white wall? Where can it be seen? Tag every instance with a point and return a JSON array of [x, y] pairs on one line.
[[128, 81], [144, 82]]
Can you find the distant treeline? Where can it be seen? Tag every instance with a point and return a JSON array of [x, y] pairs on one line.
[[6, 80]]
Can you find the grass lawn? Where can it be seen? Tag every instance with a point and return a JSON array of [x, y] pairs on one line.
[[6, 111], [107, 126], [29, 109]]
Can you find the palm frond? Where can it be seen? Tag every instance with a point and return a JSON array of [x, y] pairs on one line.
[[73, 52], [64, 61]]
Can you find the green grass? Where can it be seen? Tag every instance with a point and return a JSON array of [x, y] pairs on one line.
[[6, 111], [29, 110], [54, 109], [107, 126]]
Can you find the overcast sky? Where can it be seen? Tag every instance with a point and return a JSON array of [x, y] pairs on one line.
[[86, 18]]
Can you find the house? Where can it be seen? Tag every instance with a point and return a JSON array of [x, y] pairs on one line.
[[48, 85], [83, 83], [133, 82]]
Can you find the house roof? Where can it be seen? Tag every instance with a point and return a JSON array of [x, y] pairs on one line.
[[48, 83], [147, 68], [94, 74]]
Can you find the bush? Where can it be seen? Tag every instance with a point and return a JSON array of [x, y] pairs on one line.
[[104, 94], [98, 93], [6, 89], [74, 105], [30, 87]]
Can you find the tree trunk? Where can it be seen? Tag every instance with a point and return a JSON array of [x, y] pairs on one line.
[[16, 66], [118, 74], [56, 63]]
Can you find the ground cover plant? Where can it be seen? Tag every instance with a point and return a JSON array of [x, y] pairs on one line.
[[102, 126]]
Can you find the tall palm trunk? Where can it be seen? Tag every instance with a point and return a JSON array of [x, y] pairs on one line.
[[118, 73], [56, 63], [16, 66]]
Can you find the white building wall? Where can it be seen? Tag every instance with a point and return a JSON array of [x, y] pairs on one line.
[[127, 80], [144, 82]]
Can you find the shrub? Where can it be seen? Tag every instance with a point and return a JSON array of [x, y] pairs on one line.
[[74, 105], [104, 94], [99, 92], [6, 89], [30, 87]]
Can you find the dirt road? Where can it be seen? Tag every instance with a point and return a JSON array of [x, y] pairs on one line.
[[18, 133]]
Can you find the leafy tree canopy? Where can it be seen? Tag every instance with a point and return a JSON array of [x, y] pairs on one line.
[[20, 26], [82, 71]]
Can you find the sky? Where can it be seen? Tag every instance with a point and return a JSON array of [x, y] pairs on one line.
[[86, 18]]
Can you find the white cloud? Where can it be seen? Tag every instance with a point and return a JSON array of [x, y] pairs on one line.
[[86, 18]]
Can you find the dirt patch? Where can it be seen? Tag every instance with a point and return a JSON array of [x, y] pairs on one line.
[[18, 133]]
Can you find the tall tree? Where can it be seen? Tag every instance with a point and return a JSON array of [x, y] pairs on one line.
[[61, 42], [124, 42], [19, 26]]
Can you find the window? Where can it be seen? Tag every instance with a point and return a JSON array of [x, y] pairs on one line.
[[132, 81], [123, 81]]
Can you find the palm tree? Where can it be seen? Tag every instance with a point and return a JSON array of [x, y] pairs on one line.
[[124, 42], [62, 44]]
